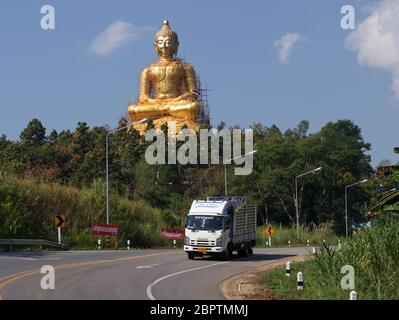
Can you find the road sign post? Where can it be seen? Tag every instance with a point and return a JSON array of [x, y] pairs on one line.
[[59, 235], [59, 222], [268, 231]]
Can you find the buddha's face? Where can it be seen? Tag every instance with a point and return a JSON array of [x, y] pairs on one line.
[[166, 46]]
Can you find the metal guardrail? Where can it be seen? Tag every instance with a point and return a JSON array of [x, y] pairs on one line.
[[32, 242]]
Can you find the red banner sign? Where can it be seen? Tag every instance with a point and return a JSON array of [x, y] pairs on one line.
[[105, 229], [172, 234]]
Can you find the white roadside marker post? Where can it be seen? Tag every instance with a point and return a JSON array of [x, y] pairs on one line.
[[99, 244], [339, 244], [270, 242], [289, 243], [59, 235], [307, 243], [128, 244], [299, 279], [314, 250], [288, 269], [353, 295], [174, 244]]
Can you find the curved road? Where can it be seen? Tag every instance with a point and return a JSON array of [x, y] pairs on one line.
[[134, 274]]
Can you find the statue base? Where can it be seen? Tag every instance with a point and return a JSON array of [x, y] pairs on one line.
[[158, 123]]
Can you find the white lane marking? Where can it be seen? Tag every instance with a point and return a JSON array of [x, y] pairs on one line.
[[150, 266], [275, 252], [35, 259], [149, 288], [39, 259]]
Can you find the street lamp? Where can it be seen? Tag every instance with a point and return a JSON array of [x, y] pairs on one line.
[[346, 203], [106, 158], [225, 171], [392, 190], [296, 198]]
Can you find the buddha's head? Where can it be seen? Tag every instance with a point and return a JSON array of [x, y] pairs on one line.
[[166, 41]]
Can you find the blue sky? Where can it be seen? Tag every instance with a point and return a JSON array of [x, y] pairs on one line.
[[53, 75]]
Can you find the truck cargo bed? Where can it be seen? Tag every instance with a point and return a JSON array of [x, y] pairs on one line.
[[244, 226]]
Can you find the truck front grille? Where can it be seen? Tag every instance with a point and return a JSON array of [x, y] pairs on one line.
[[202, 243]]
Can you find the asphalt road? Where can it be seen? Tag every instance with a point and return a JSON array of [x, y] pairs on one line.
[[134, 274]]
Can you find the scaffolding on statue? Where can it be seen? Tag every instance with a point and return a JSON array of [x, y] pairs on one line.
[[204, 116]]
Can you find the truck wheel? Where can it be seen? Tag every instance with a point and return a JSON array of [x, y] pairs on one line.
[[228, 254], [190, 255], [243, 252], [250, 250]]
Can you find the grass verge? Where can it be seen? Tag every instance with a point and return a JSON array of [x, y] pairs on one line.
[[374, 255]]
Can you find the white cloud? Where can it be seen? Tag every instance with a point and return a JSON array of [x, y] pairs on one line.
[[115, 36], [376, 40], [286, 44]]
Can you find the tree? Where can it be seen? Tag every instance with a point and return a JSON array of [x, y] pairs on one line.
[[4, 142], [53, 136], [302, 128], [339, 148], [34, 134]]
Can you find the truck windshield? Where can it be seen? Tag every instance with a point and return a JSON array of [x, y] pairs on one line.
[[205, 223]]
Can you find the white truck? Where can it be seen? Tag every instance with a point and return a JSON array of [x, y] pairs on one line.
[[219, 226]]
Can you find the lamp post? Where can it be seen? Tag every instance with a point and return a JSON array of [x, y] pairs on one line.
[[392, 190], [346, 203], [296, 197], [107, 162], [225, 170]]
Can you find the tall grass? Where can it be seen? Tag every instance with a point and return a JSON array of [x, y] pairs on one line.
[[374, 255], [283, 235], [28, 208]]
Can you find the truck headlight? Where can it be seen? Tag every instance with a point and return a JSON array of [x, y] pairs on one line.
[[186, 240], [219, 242]]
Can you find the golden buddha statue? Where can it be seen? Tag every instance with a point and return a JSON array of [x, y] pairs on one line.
[[168, 87]]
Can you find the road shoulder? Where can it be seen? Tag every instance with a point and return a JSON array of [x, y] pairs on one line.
[[248, 285]]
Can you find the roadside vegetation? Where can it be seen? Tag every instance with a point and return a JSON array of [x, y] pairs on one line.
[[28, 208], [315, 235], [47, 173], [374, 255]]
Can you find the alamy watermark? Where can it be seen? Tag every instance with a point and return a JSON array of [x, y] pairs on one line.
[[48, 280], [47, 22], [187, 153], [348, 20], [348, 280]]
